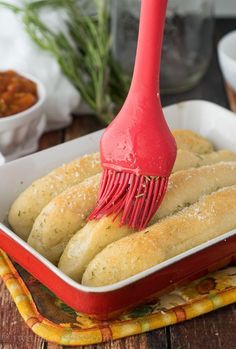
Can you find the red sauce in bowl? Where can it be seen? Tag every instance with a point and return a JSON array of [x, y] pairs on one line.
[[17, 93]]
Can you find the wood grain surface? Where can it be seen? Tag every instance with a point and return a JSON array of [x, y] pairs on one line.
[[231, 94], [216, 330]]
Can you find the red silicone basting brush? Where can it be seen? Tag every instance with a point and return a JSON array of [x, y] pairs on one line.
[[138, 150]]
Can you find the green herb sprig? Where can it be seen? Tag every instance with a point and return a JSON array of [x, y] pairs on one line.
[[83, 53]]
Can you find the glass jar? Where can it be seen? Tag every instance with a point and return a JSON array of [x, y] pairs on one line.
[[187, 43]]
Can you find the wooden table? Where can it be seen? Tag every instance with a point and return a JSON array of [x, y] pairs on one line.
[[214, 330]]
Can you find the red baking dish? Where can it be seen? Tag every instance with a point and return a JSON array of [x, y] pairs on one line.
[[214, 122]]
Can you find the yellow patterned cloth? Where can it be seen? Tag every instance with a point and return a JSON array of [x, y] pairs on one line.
[[54, 321]]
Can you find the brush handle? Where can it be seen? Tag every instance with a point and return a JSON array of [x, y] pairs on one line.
[[139, 140], [148, 56]]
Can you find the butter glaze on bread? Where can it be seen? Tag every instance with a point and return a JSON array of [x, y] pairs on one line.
[[29, 204], [212, 216], [184, 188], [191, 141], [62, 217]]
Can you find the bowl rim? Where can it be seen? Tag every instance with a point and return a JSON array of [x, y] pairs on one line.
[[41, 99]]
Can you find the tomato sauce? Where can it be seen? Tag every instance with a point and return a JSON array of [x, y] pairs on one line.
[[17, 93]]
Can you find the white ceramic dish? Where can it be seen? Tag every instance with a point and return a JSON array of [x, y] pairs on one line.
[[20, 132], [227, 57], [210, 120]]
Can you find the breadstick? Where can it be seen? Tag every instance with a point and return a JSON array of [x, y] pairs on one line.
[[212, 216], [62, 217], [191, 141], [185, 188], [29, 204], [186, 159]]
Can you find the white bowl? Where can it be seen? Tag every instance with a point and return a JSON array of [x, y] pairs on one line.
[[227, 58], [19, 133]]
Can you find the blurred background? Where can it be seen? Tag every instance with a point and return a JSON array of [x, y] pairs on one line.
[[82, 51]]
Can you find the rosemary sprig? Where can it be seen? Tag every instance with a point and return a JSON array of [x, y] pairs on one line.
[[83, 53]]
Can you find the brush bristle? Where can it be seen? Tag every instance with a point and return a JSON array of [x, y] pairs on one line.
[[137, 197]]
